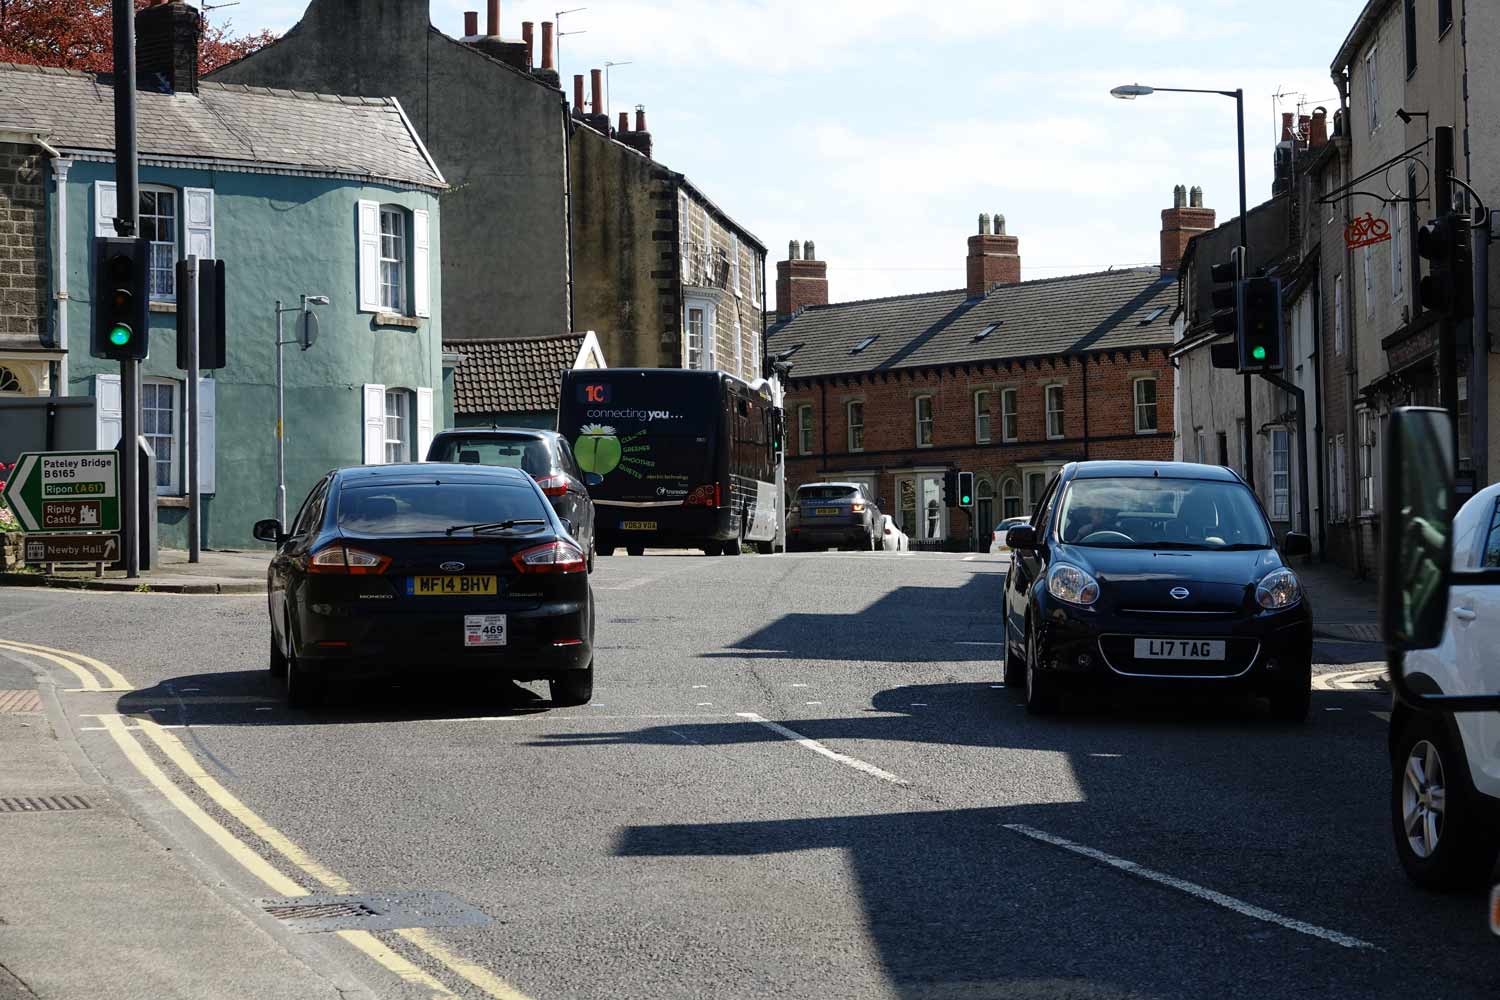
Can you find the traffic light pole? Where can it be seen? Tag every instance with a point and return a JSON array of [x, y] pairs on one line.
[[1248, 442], [127, 223], [188, 296]]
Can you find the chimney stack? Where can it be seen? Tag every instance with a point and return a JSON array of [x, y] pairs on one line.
[[492, 24], [640, 139], [596, 90], [624, 128], [471, 25], [166, 47], [1185, 219], [517, 54], [526, 37], [547, 46], [994, 258], [800, 280], [578, 93], [640, 118], [1317, 136]]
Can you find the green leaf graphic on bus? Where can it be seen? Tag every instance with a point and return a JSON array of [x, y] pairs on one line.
[[597, 449]]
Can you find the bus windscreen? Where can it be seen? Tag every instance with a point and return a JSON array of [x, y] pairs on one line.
[[652, 439]]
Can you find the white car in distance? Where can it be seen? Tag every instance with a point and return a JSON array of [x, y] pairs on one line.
[[997, 538], [892, 538]]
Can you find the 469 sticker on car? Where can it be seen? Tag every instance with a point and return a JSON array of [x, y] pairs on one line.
[[484, 630]]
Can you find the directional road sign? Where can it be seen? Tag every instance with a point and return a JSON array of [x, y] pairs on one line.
[[65, 491], [72, 549]]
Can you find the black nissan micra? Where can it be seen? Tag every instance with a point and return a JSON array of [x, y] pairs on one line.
[[1161, 574]]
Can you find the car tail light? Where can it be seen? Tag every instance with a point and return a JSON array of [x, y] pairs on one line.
[[554, 557], [857, 507], [704, 496], [553, 486], [342, 559]]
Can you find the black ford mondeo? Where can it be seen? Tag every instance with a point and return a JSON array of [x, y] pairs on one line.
[[1155, 573], [429, 572]]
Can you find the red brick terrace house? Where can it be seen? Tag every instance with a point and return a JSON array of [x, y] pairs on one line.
[[1005, 378]]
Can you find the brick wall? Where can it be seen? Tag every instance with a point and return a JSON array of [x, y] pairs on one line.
[[23, 228], [889, 409]]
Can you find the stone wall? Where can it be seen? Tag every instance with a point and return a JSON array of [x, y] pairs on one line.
[[23, 228]]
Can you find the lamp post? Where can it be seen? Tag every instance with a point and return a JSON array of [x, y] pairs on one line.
[[307, 300], [1129, 92]]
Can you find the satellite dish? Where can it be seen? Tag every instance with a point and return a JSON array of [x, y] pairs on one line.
[[307, 329]]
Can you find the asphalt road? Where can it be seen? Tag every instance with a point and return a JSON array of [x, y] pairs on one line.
[[799, 778]]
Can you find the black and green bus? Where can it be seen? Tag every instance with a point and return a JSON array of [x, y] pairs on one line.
[[687, 457]]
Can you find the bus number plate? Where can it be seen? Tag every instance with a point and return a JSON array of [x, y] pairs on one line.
[[637, 525]]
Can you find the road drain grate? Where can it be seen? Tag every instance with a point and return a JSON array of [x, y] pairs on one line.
[[19, 702], [42, 803], [371, 911]]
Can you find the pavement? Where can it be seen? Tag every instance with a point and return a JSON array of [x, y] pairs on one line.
[[799, 776], [216, 572], [1345, 608]]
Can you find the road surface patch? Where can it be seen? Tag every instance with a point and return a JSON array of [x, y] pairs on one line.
[[1192, 888]]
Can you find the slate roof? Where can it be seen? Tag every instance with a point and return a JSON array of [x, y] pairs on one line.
[[1080, 312], [512, 376], [356, 137]]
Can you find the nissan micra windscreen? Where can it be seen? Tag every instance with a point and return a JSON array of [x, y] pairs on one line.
[[1162, 514]]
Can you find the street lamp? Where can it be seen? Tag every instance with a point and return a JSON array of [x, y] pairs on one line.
[[306, 330], [1129, 92]]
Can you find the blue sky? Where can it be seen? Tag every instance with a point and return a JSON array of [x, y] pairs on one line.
[[881, 128]]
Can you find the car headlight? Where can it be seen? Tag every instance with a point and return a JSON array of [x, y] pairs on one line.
[[1071, 584], [1278, 590]]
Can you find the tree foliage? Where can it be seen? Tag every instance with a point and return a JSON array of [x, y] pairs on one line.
[[78, 34]]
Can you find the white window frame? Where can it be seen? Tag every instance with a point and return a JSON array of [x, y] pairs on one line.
[[1010, 422], [707, 337], [174, 448], [176, 242], [1281, 474], [734, 264], [1367, 423], [1142, 407], [1372, 88], [919, 422], [402, 440], [1049, 393], [1338, 314], [804, 429], [983, 419], [396, 212], [852, 426]]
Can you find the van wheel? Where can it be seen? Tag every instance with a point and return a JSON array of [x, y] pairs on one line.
[[1437, 820]]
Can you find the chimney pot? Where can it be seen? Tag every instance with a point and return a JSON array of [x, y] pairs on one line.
[[793, 250], [1317, 134], [984, 223], [471, 23], [492, 25], [1179, 196], [596, 84], [526, 37], [547, 45], [578, 93], [624, 122], [640, 118], [807, 251], [1195, 197], [999, 224]]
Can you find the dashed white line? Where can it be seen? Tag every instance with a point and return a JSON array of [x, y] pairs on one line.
[[822, 750], [974, 642], [697, 686], [799, 685], [704, 704], [1191, 888], [812, 703]]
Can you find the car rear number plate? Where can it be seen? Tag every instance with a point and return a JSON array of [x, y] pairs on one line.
[[827, 510], [484, 630], [449, 586], [637, 525], [1179, 649]]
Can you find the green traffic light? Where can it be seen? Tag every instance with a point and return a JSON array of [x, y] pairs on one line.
[[1258, 353], [120, 335]]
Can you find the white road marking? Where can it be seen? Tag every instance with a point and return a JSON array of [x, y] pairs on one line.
[[1333, 709], [696, 686], [704, 704], [1361, 679], [822, 750], [1104, 755], [265, 708], [629, 584], [1192, 888], [970, 558], [1383, 716], [997, 686], [812, 703], [799, 685], [528, 717], [919, 704], [972, 642]]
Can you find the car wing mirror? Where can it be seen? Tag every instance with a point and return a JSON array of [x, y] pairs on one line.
[[1296, 544], [1022, 537], [1416, 552], [269, 530]]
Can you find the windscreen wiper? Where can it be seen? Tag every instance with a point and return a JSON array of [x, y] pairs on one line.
[[496, 525]]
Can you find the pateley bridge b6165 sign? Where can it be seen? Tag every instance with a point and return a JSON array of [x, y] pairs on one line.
[[65, 491]]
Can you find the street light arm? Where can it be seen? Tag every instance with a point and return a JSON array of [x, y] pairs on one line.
[[1193, 90]]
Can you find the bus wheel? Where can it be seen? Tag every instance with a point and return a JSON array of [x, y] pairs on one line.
[[636, 550]]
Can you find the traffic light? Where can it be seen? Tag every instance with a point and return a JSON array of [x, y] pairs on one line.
[[1225, 296], [121, 299], [966, 489], [1260, 320], [211, 315], [778, 431], [950, 487], [1448, 286]]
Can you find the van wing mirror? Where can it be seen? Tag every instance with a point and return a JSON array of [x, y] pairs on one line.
[[1416, 552]]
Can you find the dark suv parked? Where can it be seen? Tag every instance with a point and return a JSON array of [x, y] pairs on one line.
[[543, 455]]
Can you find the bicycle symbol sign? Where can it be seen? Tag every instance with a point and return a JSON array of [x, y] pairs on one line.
[[1366, 230]]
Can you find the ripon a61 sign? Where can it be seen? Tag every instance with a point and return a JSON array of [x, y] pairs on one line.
[[72, 491]]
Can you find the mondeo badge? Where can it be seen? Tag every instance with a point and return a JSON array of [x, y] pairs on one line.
[[457, 567], [1180, 593]]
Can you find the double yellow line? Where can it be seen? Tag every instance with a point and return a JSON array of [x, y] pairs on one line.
[[174, 750]]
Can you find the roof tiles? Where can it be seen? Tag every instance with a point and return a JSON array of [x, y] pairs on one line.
[[512, 376]]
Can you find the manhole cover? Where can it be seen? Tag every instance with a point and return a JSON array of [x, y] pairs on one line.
[[19, 702], [372, 911], [42, 803]]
